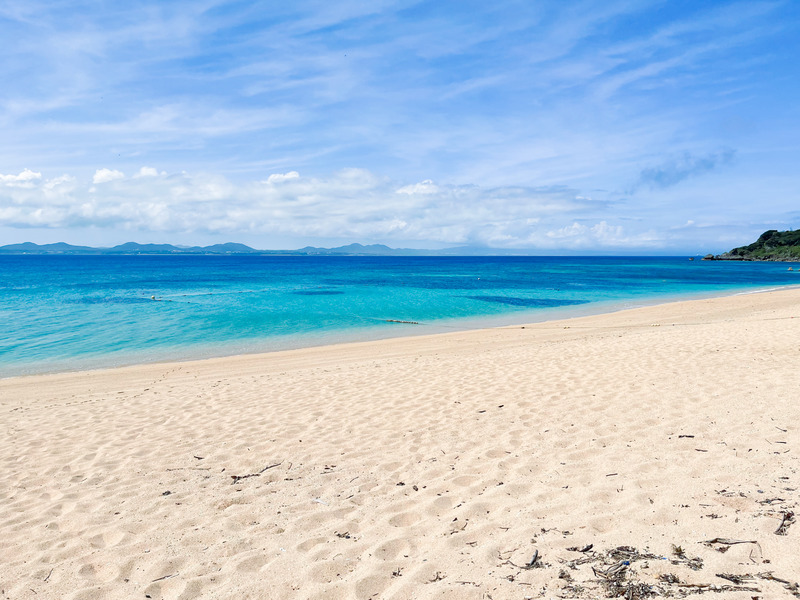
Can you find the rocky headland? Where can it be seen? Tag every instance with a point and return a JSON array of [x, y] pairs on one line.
[[772, 245]]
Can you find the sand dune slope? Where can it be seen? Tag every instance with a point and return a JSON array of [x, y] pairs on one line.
[[430, 467]]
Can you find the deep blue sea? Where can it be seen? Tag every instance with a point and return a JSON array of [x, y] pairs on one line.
[[76, 312]]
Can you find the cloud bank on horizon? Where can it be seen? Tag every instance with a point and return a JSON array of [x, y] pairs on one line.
[[638, 126]]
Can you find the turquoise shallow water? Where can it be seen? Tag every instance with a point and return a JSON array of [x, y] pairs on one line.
[[76, 312]]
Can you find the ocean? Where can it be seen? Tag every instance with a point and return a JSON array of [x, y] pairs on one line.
[[63, 313]]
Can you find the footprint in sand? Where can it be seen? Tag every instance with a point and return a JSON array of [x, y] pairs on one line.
[[331, 570], [392, 549], [309, 544], [251, 564], [404, 519], [168, 588], [372, 586], [102, 573], [496, 453], [440, 505], [107, 539]]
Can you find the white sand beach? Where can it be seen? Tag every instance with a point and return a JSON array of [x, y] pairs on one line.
[[423, 467]]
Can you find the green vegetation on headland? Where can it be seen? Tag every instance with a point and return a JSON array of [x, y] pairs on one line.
[[771, 245]]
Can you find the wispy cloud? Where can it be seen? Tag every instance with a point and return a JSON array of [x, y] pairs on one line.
[[675, 170], [579, 236]]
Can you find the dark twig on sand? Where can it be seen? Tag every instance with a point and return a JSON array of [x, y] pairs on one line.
[[709, 587], [727, 542], [788, 519], [585, 548], [737, 579], [615, 571], [270, 466], [238, 478], [793, 588], [534, 562], [190, 469]]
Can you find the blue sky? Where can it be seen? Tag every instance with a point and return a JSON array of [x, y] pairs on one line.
[[593, 127]]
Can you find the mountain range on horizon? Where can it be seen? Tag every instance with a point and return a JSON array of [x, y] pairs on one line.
[[232, 248]]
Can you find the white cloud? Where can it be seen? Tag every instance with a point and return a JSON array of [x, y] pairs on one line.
[[147, 172], [353, 204], [26, 179], [278, 177], [424, 187], [106, 175], [601, 235]]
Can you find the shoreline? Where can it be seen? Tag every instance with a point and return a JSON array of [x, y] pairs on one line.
[[422, 467], [443, 327]]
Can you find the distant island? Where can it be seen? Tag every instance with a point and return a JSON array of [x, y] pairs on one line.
[[772, 245], [132, 248]]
